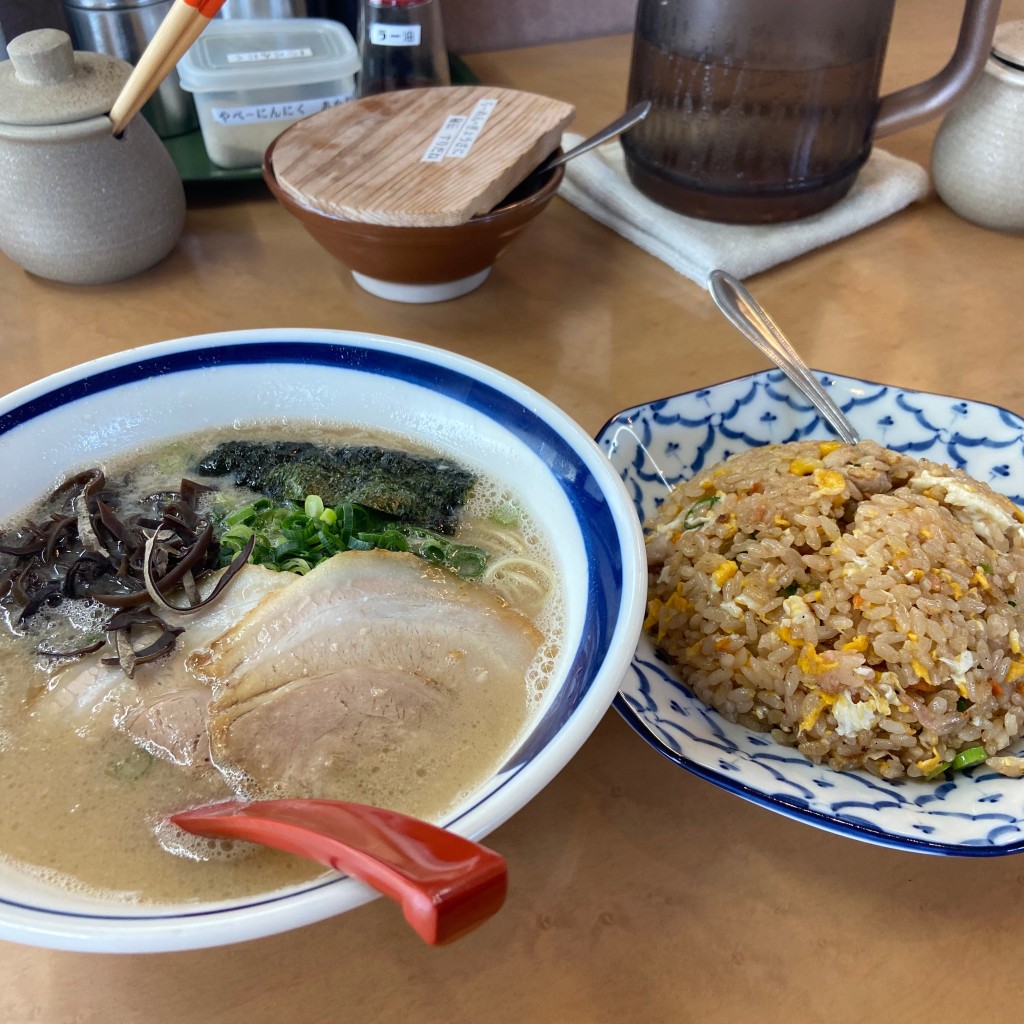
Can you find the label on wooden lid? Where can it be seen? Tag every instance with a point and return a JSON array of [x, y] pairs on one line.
[[418, 157]]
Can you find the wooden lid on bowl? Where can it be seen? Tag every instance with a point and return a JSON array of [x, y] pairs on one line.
[[418, 157]]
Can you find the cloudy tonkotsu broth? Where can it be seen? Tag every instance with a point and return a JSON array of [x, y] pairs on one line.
[[81, 802]]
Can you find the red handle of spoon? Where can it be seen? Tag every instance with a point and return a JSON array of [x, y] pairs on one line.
[[446, 884]]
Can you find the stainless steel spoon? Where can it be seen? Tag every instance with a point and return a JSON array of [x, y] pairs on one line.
[[733, 299], [617, 127]]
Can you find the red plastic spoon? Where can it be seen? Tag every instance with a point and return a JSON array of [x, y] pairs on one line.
[[447, 885]]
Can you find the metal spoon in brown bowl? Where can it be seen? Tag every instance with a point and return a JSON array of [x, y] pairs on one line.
[[446, 884], [617, 127]]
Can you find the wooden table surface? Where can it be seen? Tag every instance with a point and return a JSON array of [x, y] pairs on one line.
[[638, 892]]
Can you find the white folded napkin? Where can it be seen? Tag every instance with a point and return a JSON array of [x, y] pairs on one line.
[[598, 184]]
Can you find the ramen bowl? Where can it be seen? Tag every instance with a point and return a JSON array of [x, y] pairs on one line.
[[88, 414], [422, 264]]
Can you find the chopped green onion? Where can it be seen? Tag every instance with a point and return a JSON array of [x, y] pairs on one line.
[[697, 514], [972, 755], [965, 759], [133, 766], [986, 567], [791, 590], [296, 536], [467, 561], [963, 704], [506, 515], [464, 559], [296, 565]]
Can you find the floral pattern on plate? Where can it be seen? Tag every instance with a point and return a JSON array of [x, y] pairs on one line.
[[654, 446]]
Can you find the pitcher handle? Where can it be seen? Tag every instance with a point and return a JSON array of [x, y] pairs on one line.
[[919, 103]]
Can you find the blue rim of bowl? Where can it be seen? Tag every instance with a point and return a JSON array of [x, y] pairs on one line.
[[606, 586], [780, 805]]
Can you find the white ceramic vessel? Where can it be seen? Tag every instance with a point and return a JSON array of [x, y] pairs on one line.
[[979, 149], [77, 204]]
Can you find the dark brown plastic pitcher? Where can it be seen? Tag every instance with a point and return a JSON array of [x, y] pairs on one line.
[[765, 110]]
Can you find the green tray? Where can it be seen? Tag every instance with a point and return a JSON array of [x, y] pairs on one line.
[[193, 163], [190, 157]]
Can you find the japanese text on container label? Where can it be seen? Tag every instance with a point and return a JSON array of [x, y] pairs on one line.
[[289, 110], [258, 55], [394, 35]]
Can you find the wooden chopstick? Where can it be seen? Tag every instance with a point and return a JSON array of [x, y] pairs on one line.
[[181, 27]]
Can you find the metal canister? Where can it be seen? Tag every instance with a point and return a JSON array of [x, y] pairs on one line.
[[263, 9], [123, 28]]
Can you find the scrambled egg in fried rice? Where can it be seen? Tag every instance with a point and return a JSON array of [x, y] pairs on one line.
[[861, 605]]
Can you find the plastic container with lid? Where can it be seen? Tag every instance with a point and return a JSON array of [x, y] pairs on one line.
[[251, 79]]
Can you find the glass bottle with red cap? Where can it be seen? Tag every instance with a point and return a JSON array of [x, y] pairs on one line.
[[402, 45]]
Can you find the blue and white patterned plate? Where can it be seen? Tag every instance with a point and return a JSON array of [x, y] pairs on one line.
[[654, 446]]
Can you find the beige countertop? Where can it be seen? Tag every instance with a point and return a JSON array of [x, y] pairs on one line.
[[638, 891]]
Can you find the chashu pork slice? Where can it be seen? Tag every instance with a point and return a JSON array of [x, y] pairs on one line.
[[355, 655], [164, 706]]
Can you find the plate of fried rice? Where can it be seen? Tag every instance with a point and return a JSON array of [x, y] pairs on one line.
[[835, 632]]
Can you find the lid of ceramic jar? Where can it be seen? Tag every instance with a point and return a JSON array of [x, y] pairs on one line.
[[47, 82], [1008, 44]]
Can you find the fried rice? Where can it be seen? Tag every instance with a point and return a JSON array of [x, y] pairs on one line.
[[860, 605]]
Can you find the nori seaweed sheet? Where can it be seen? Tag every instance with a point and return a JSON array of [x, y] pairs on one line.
[[420, 489]]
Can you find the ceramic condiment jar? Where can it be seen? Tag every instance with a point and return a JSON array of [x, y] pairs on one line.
[[77, 204], [978, 156]]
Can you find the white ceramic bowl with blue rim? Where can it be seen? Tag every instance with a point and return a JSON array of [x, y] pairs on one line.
[[977, 812], [489, 420]]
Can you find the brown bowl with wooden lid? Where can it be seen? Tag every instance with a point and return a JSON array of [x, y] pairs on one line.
[[386, 186]]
